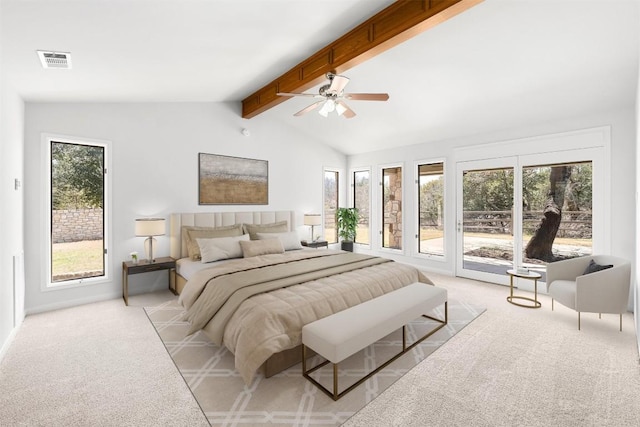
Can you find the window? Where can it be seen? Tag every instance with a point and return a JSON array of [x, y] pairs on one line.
[[431, 209], [392, 207], [556, 212], [78, 212], [361, 201], [330, 205], [532, 201], [527, 215]]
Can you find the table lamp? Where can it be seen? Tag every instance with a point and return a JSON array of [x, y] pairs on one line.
[[150, 227], [312, 220]]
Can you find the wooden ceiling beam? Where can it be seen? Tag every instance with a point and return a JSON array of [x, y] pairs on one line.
[[400, 21]]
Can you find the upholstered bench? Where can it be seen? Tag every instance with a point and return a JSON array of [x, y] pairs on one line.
[[346, 332]]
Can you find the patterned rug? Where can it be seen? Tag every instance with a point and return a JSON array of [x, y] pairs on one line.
[[287, 399]]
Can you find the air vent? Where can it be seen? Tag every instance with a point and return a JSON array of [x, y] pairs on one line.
[[59, 60]]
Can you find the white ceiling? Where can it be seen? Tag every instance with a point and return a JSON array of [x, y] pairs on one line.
[[499, 65]]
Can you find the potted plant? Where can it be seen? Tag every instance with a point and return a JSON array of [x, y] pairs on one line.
[[347, 225]]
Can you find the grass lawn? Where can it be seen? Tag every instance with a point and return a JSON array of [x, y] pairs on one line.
[[77, 257]]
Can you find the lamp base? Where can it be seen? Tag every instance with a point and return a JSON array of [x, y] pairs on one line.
[[148, 248]]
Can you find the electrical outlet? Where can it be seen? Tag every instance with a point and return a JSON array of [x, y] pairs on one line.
[[16, 184]]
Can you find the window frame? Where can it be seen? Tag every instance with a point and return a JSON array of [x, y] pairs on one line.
[[380, 199], [352, 203], [324, 172], [47, 284]]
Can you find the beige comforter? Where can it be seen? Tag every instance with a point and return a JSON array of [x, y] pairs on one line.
[[257, 306]]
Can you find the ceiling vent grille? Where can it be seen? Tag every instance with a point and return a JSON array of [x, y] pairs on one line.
[[57, 60]]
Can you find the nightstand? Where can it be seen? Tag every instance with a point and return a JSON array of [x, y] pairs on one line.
[[128, 267], [317, 244]]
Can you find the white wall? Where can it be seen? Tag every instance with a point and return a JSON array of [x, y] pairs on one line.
[[623, 166], [11, 212], [11, 209], [155, 172]]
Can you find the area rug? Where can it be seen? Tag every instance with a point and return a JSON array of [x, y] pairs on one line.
[[287, 399]]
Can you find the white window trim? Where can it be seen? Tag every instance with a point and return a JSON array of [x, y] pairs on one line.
[[380, 211], [340, 173], [46, 284], [352, 201], [445, 211]]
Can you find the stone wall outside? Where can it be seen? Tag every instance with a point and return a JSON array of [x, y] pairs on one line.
[[393, 209], [76, 225]]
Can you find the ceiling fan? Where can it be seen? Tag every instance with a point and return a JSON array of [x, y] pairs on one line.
[[332, 98]]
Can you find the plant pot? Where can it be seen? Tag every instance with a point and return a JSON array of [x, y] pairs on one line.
[[346, 246]]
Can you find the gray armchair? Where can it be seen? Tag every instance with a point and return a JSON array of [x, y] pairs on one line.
[[604, 291]]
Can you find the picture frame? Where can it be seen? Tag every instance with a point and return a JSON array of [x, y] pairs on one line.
[[227, 180]]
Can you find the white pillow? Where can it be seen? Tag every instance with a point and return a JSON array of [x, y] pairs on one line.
[[290, 240], [221, 248]]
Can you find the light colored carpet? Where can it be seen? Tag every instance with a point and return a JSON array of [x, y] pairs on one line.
[[518, 367], [103, 364], [95, 365], [288, 399]]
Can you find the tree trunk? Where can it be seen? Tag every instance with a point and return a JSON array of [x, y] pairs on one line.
[[541, 244], [539, 247], [570, 197]]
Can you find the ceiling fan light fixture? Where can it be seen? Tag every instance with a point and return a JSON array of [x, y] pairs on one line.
[[328, 107], [332, 98]]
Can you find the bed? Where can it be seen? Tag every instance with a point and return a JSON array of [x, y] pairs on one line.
[[256, 306]]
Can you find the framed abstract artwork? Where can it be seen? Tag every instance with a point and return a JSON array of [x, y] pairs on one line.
[[224, 180]]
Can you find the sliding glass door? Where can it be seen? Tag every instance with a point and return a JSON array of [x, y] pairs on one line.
[[485, 220], [527, 211]]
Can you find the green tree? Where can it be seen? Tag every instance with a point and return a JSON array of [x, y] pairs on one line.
[[362, 184], [490, 190], [535, 183], [431, 201], [77, 176], [578, 194]]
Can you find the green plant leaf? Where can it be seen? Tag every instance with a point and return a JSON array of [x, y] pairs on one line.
[[347, 223]]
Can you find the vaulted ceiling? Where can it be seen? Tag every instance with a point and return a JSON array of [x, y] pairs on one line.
[[500, 64]]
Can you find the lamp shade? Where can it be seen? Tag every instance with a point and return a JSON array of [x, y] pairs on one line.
[[150, 227], [312, 219]]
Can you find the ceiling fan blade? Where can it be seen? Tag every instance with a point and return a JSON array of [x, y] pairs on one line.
[[338, 84], [367, 96], [348, 112], [308, 108], [310, 95]]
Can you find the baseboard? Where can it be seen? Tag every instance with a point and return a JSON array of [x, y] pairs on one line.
[[5, 346]]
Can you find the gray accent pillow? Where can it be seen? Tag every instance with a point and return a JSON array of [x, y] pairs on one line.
[[593, 267]]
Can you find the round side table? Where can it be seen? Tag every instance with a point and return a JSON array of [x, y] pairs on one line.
[[531, 275]]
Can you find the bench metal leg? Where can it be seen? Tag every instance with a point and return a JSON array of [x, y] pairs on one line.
[[335, 395], [335, 382]]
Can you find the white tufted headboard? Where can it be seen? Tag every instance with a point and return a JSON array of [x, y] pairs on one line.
[[220, 219]]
